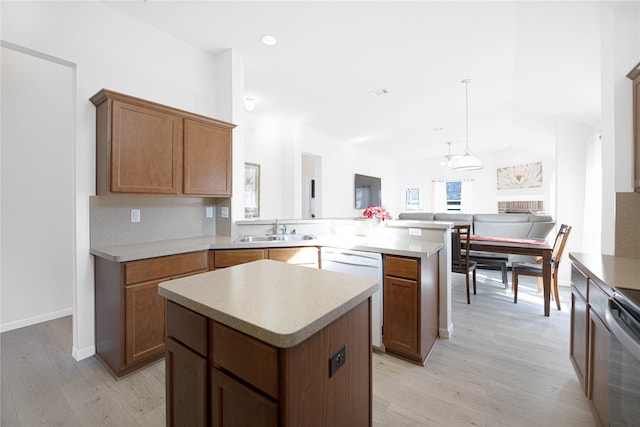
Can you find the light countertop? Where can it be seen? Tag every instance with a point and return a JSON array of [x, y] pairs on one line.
[[609, 270], [131, 252], [278, 303]]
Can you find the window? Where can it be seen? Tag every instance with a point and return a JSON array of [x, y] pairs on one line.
[[454, 196]]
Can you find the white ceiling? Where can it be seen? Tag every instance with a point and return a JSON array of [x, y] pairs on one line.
[[529, 63]]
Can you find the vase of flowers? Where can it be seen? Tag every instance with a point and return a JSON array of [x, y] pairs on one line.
[[375, 216]]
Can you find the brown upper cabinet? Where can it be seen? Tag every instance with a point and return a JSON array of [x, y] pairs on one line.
[[148, 148], [635, 76]]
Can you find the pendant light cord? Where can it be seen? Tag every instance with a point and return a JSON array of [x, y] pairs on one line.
[[466, 93]]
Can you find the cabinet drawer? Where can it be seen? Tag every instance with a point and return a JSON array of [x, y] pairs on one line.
[[187, 327], [579, 281], [164, 267], [597, 299], [401, 267], [298, 256], [247, 358], [235, 257]]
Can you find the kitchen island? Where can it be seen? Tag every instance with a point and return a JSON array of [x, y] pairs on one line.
[[268, 343]]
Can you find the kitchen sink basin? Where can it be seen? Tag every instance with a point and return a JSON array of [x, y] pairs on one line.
[[274, 238]]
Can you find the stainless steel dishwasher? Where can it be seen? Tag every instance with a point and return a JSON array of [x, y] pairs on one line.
[[359, 263]]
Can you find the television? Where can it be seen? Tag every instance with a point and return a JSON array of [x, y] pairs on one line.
[[368, 191]]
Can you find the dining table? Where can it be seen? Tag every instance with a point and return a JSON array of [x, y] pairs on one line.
[[517, 246]]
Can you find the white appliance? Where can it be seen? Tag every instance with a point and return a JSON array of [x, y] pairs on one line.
[[359, 263]]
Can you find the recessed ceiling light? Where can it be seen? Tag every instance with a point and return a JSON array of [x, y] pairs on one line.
[[378, 92], [269, 40]]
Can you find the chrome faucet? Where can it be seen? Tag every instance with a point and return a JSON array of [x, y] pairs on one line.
[[278, 226]]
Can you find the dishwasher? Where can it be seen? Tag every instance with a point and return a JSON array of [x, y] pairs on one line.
[[359, 263]]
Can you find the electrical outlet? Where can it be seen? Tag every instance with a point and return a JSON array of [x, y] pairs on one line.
[[135, 215], [337, 361], [415, 232], [209, 212], [224, 212]]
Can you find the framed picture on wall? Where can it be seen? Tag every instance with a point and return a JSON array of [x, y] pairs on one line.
[[251, 190]]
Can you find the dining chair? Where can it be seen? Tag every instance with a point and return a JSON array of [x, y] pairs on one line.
[[528, 269], [460, 263]]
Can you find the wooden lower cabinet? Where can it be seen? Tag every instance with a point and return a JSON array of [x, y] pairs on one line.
[[590, 341], [308, 256], [251, 383], [129, 313], [410, 296]]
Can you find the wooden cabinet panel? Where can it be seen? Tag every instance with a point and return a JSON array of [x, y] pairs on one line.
[[579, 336], [187, 327], [235, 405], [401, 316], [146, 150], [635, 76], [247, 358], [186, 386], [145, 322], [598, 382], [166, 267], [579, 281], [308, 256], [228, 258], [207, 159], [401, 267]]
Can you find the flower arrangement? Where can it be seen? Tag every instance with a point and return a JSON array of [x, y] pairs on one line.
[[376, 212]]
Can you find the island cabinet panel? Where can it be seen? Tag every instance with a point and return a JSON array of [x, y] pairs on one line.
[[186, 386], [252, 383], [410, 306], [147, 148], [130, 315], [207, 159]]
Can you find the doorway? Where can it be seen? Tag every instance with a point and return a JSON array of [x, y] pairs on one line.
[[311, 186]]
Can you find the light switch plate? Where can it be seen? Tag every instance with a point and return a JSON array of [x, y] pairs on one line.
[[224, 212], [209, 212], [135, 215]]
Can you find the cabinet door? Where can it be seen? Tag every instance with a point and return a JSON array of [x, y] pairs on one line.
[[401, 316], [579, 335], [207, 159], [145, 327], [186, 385], [235, 405], [636, 134], [598, 382], [146, 150]]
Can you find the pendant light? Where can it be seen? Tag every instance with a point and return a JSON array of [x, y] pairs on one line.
[[468, 162], [449, 159]]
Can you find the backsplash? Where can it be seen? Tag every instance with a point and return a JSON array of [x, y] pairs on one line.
[[628, 225], [161, 218]]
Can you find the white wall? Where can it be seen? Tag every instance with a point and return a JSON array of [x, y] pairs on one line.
[[113, 51], [278, 148], [486, 195], [38, 202]]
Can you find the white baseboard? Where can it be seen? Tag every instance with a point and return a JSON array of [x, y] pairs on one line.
[[16, 324], [446, 333], [83, 353]]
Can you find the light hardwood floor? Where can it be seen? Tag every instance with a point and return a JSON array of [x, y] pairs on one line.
[[507, 365]]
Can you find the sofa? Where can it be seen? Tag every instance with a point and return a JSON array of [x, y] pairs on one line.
[[517, 225]]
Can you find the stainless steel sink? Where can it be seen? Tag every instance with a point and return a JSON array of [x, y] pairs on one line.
[[274, 238]]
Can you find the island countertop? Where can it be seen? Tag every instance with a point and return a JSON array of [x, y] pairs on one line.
[[278, 303]]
